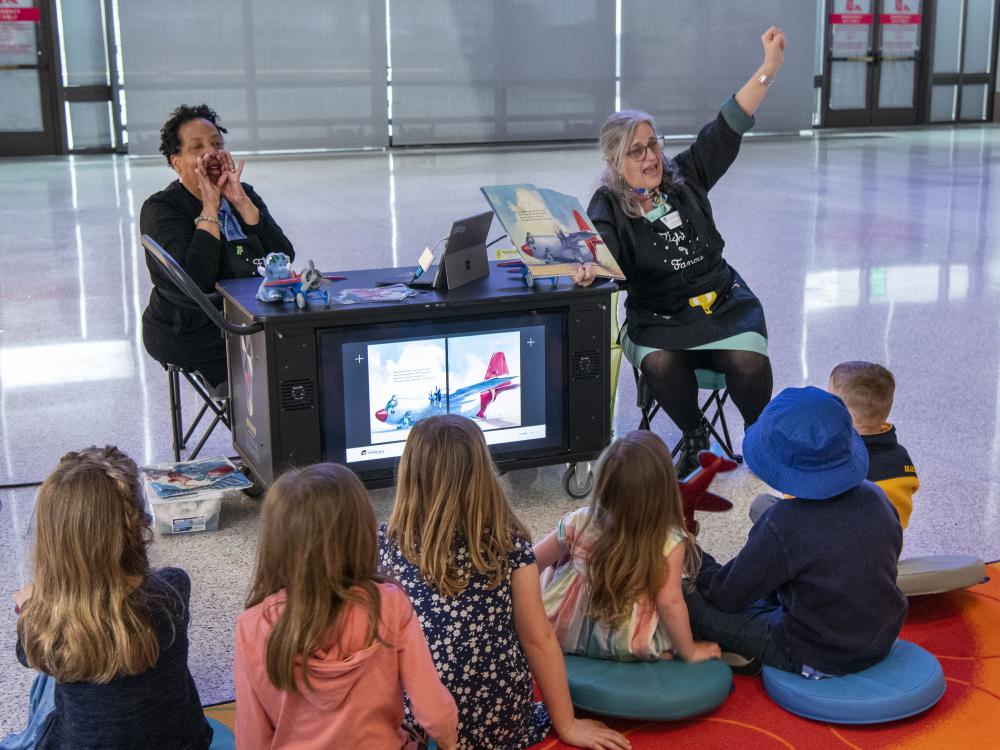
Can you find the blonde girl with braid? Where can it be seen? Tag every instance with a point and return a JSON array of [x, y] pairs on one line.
[[111, 631], [455, 545], [615, 571]]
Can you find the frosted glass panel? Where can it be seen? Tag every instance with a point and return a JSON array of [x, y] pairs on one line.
[[847, 85], [681, 59], [297, 74], [84, 45], [22, 104], [974, 102], [520, 70], [896, 84], [943, 103], [947, 35], [91, 124], [978, 33]]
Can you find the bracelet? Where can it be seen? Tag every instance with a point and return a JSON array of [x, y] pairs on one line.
[[765, 79], [211, 219]]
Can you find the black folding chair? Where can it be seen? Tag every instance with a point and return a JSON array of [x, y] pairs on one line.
[[212, 401], [708, 380]]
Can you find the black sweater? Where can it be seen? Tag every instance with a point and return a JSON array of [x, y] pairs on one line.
[[158, 709], [174, 329], [832, 564], [652, 285]]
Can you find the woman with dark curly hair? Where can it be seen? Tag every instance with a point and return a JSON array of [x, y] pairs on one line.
[[214, 226], [687, 309]]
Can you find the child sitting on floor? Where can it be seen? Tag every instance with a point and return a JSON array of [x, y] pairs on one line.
[[455, 545], [867, 390], [326, 647], [616, 591], [814, 588], [110, 631]]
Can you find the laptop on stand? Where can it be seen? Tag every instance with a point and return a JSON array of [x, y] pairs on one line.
[[464, 256]]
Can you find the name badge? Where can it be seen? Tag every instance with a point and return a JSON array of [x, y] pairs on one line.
[[672, 220]]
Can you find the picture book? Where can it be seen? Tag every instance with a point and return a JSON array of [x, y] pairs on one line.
[[211, 474], [550, 231]]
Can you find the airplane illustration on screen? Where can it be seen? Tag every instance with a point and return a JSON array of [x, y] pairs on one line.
[[469, 401], [564, 247]]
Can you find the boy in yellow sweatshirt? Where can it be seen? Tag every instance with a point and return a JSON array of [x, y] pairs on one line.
[[867, 390]]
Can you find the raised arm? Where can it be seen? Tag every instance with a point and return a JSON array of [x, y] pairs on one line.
[[753, 92]]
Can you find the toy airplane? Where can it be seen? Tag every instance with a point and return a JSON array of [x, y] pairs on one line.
[[694, 488], [300, 286], [564, 247], [470, 401]]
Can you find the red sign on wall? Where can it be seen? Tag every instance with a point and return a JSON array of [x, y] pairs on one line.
[[15, 15]]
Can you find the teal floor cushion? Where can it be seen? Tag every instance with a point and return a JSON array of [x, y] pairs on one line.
[[223, 738], [663, 690], [908, 681]]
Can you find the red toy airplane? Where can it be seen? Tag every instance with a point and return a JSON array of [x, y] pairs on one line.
[[694, 488]]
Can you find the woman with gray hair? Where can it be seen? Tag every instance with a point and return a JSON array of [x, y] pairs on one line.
[[686, 307]]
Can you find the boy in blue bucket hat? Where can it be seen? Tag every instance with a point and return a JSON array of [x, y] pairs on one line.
[[814, 588]]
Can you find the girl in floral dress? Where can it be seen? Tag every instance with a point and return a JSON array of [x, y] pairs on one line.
[[466, 561], [616, 589]]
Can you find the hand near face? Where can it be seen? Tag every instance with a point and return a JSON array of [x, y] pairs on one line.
[[232, 188], [209, 189], [774, 49]]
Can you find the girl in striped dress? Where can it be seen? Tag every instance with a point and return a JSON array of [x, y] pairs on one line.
[[614, 572]]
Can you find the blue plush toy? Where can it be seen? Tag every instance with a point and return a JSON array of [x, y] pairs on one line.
[[276, 267]]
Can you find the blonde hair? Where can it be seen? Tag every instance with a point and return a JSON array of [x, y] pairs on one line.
[[866, 388], [318, 543], [616, 139], [87, 620], [447, 493], [636, 506]]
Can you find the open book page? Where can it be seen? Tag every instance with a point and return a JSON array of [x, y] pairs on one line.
[[550, 230]]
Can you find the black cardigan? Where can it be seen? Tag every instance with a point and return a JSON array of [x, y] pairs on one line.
[[652, 285], [174, 329], [158, 709]]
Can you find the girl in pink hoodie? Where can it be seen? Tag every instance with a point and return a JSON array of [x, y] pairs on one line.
[[326, 647]]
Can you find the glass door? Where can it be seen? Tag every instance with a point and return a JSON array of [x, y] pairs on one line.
[[872, 62], [27, 82]]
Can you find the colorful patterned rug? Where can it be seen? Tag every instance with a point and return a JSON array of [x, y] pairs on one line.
[[962, 629]]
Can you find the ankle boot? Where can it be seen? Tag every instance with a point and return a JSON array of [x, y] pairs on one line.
[[692, 442]]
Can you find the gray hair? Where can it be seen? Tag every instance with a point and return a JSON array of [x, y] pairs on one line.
[[616, 137]]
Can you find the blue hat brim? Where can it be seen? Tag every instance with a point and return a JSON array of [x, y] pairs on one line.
[[817, 484]]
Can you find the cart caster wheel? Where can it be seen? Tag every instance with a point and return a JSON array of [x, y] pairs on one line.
[[738, 458], [578, 480], [300, 300], [256, 488]]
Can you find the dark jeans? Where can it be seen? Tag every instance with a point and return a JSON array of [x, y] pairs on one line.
[[747, 632]]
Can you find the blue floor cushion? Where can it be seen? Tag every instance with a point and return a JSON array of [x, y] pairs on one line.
[[223, 738], [908, 681], [663, 690]]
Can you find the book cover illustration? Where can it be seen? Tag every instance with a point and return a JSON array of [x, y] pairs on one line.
[[550, 231], [173, 480]]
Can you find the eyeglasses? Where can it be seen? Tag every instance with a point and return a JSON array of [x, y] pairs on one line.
[[638, 152]]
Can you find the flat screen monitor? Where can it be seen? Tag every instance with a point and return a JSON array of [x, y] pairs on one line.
[[506, 373]]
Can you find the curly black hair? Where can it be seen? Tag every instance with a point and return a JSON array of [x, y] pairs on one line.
[[170, 138]]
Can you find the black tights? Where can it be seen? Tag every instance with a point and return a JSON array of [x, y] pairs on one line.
[[671, 378]]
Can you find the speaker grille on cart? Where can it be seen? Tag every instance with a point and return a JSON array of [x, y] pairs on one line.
[[297, 394], [586, 365]]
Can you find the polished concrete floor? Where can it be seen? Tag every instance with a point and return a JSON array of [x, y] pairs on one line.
[[883, 247]]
